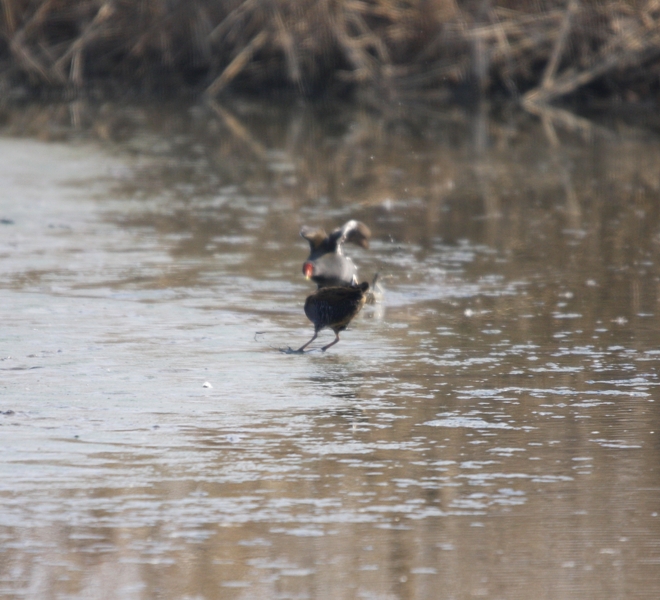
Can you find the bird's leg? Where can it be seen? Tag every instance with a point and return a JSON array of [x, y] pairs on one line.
[[308, 343], [331, 343]]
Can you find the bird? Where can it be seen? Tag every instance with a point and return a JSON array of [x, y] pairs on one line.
[[334, 307], [326, 264]]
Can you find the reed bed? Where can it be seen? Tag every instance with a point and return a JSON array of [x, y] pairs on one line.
[[392, 49]]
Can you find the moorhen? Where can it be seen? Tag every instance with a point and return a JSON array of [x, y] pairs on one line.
[[326, 264], [334, 307]]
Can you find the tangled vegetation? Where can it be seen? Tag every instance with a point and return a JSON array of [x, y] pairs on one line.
[[392, 49]]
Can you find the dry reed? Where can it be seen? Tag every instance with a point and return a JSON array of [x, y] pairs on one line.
[[393, 48]]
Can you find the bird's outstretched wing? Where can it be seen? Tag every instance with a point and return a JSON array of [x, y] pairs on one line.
[[316, 236], [353, 232]]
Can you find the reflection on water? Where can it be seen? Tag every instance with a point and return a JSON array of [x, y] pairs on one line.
[[490, 429]]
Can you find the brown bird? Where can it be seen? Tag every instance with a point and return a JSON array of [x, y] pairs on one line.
[[334, 307], [326, 264]]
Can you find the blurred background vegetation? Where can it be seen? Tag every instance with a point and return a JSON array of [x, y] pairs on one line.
[[383, 50]]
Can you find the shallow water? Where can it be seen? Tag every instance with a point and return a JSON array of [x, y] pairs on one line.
[[491, 428]]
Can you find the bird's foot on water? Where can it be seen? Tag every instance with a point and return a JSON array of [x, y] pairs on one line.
[[290, 350]]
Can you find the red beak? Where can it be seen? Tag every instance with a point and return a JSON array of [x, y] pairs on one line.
[[308, 270]]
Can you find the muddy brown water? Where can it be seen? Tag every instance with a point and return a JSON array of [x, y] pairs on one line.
[[489, 430]]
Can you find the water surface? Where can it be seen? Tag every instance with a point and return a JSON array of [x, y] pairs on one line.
[[491, 428]]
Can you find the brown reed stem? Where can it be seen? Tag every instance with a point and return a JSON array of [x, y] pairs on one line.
[[553, 63], [74, 51], [237, 64], [10, 21]]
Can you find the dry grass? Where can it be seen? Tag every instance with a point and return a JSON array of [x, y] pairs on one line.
[[394, 48]]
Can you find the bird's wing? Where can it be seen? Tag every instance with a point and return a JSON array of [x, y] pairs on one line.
[[354, 232], [316, 236]]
